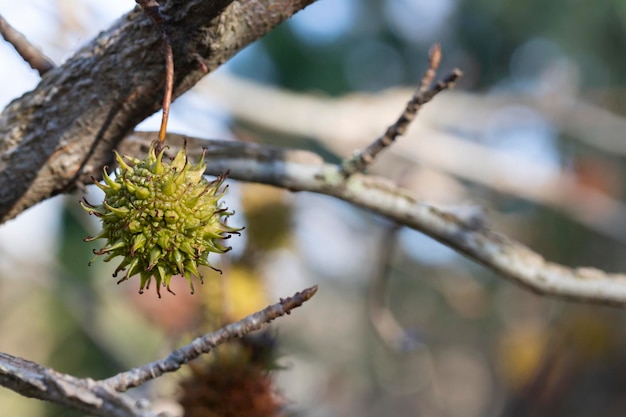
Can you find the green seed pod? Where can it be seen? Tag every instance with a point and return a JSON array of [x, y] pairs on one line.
[[161, 219]]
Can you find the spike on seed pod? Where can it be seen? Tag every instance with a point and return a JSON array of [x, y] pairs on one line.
[[161, 219]]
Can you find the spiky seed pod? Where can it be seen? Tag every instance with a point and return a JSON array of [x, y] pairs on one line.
[[161, 218], [236, 382]]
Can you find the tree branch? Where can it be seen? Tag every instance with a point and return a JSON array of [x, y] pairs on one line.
[[363, 158], [103, 398], [305, 171], [84, 395], [279, 111], [29, 52], [204, 344], [63, 132]]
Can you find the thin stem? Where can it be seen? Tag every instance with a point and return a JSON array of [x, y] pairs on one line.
[[152, 9], [169, 86], [434, 59]]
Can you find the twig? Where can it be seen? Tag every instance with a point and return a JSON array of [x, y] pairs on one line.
[[381, 317], [29, 52], [305, 171], [204, 344], [434, 59], [152, 9], [362, 158]]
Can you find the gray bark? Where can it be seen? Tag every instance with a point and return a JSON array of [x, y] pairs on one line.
[[62, 133], [85, 395]]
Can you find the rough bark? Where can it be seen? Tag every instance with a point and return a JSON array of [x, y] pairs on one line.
[[85, 395], [61, 133]]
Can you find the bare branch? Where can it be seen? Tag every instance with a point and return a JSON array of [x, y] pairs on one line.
[[29, 52], [361, 159], [103, 398], [304, 171], [434, 59], [84, 395], [204, 344], [63, 132], [388, 329]]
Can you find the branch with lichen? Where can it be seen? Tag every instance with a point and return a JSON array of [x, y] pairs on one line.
[[305, 171], [435, 142]]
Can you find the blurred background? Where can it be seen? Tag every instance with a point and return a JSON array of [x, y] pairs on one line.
[[401, 325]]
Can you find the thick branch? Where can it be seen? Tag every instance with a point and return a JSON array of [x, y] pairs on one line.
[[82, 109], [304, 171], [33, 380]]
